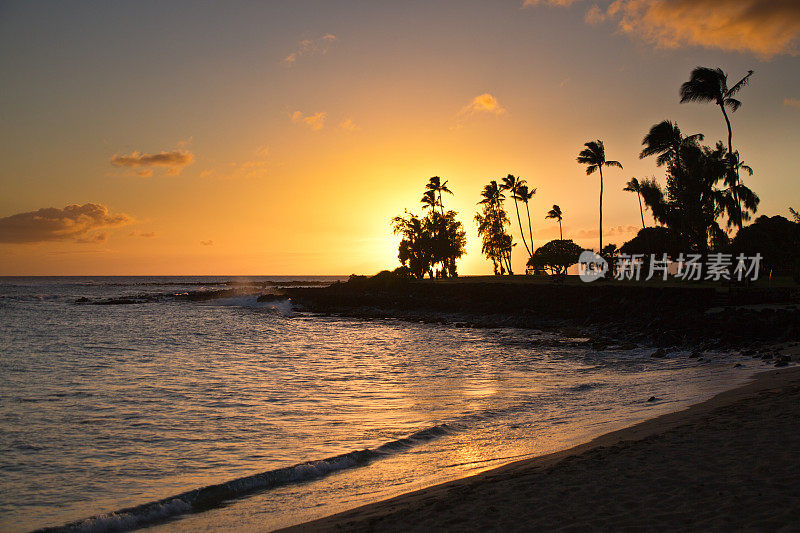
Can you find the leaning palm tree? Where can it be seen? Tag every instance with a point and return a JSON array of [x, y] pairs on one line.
[[634, 186], [594, 157], [558, 215], [512, 184], [525, 196], [711, 85], [436, 185]]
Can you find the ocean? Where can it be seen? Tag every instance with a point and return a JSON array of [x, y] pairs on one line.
[[169, 403]]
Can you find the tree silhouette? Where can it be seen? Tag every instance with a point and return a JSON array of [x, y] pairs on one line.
[[436, 185], [525, 195], [556, 214], [492, 222], [512, 184], [428, 200], [711, 85], [436, 239], [633, 186], [692, 202], [795, 214], [555, 257], [594, 157], [665, 140]]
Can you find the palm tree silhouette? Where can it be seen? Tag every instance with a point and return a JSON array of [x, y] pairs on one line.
[[633, 186], [428, 200], [512, 184], [557, 214], [594, 157], [665, 140], [525, 195], [711, 85], [497, 244], [435, 184]]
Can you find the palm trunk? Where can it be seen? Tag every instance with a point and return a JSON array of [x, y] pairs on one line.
[[641, 211], [521, 231], [560, 231], [730, 158], [601, 209], [530, 227]]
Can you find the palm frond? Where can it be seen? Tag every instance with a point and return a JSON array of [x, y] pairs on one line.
[[733, 103], [614, 164], [741, 83]]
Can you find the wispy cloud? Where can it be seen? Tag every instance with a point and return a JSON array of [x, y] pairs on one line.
[[484, 103], [207, 243], [310, 47], [316, 121], [256, 167], [348, 125], [530, 3], [144, 235], [173, 161], [97, 238], [792, 102], [763, 28], [73, 222]]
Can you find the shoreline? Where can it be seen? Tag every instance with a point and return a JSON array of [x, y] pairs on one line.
[[730, 461]]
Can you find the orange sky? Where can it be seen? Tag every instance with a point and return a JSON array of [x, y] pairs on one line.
[[281, 138]]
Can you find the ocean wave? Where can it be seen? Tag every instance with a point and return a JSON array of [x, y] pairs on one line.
[[211, 496]]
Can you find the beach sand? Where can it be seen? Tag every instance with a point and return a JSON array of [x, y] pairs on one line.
[[732, 462]]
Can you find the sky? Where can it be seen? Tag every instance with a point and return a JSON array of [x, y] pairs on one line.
[[258, 138]]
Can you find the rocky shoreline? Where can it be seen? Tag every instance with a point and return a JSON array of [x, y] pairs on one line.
[[599, 316]]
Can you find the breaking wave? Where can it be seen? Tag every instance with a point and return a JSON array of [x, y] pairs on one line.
[[214, 495]]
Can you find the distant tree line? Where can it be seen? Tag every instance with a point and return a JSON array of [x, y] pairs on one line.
[[702, 201]]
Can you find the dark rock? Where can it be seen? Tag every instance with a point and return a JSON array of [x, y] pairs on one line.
[[652, 399], [660, 353]]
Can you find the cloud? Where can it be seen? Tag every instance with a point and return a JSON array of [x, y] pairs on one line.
[[74, 222], [146, 235], [174, 161], [484, 103], [765, 28], [97, 238], [315, 121], [254, 168], [310, 47], [530, 3], [348, 125], [207, 243], [792, 102]]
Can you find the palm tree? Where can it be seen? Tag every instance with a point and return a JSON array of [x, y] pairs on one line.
[[512, 184], [594, 157], [665, 140], [711, 85], [428, 200], [633, 186], [435, 184], [557, 214], [497, 244], [795, 214], [525, 195]]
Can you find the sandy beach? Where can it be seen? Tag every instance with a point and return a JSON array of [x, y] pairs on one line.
[[730, 463]]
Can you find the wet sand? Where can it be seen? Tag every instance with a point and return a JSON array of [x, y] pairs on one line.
[[732, 462]]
